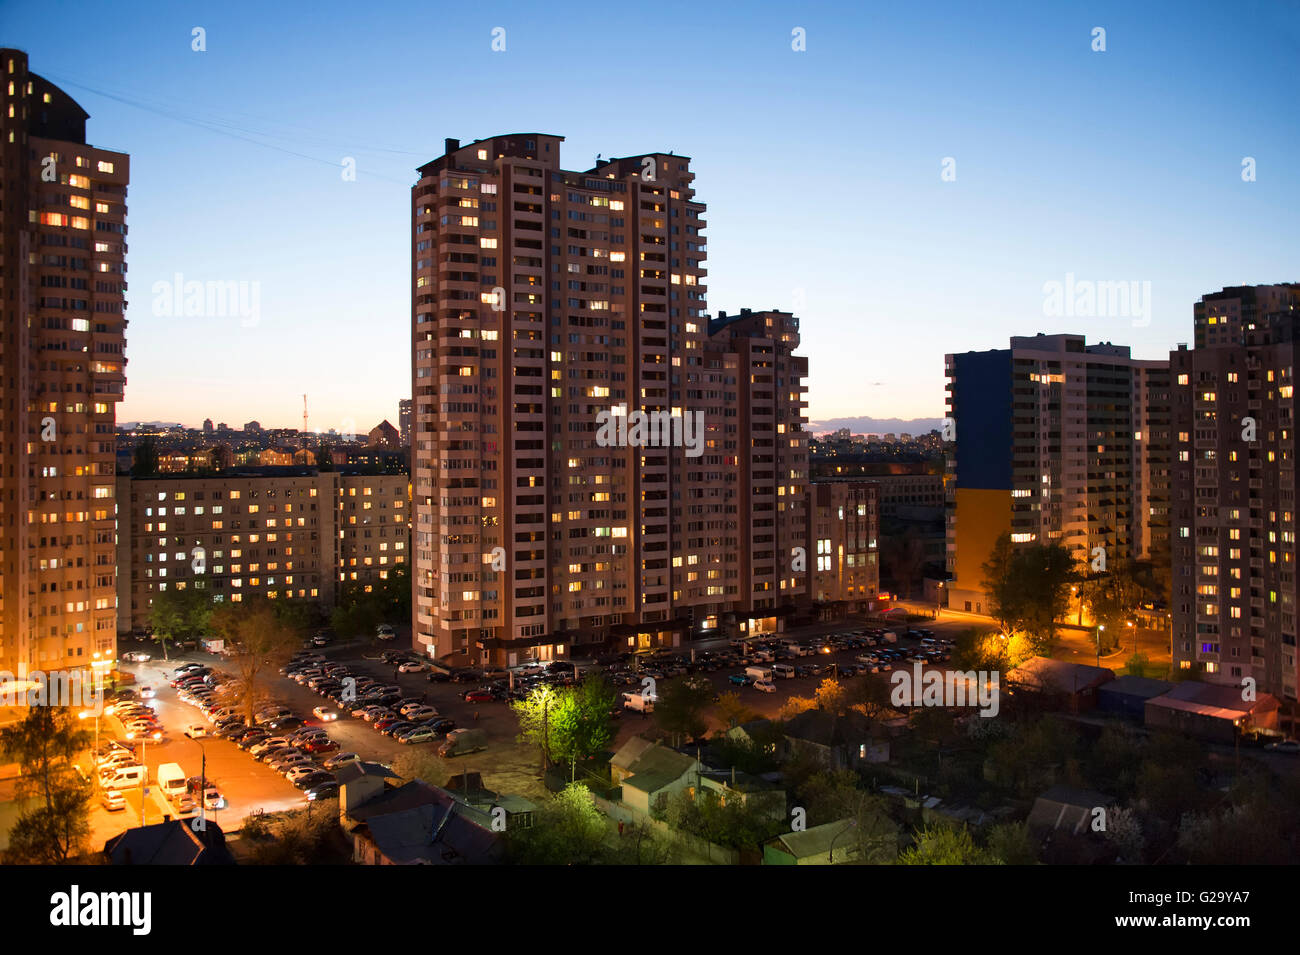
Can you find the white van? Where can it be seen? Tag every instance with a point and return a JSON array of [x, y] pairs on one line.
[[123, 777], [783, 670], [638, 702], [759, 674]]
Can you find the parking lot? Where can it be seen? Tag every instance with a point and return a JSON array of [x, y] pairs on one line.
[[249, 785]]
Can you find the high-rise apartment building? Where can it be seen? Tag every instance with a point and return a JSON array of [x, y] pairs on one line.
[[404, 421], [1056, 441], [546, 302], [1234, 588], [62, 372]]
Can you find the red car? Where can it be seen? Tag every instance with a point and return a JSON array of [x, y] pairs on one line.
[[478, 696], [321, 746]]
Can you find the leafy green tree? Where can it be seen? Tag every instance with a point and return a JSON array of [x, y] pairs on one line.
[[570, 724], [681, 706], [1011, 844], [945, 845], [584, 724], [44, 744], [1028, 588], [568, 830], [179, 614], [734, 824]]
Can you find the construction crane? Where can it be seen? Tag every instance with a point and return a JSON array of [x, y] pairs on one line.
[[304, 419]]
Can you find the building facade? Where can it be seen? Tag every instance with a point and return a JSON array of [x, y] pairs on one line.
[[1234, 566], [1056, 441], [546, 303], [292, 534], [62, 371], [843, 556]]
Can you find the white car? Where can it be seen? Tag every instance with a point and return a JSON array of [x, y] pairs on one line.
[[324, 713], [298, 772], [273, 742], [147, 693], [411, 667], [196, 731], [372, 713], [765, 686], [137, 656]]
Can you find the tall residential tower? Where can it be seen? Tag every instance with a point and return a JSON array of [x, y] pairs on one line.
[[1057, 441], [546, 301], [62, 339]]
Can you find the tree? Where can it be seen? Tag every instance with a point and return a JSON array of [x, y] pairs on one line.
[[144, 460], [732, 711], [1004, 601], [181, 613], [584, 725], [869, 697], [902, 556], [1028, 588], [733, 823], [44, 744], [361, 610], [568, 724], [945, 845], [1011, 844], [680, 709], [568, 830], [1114, 597], [260, 639]]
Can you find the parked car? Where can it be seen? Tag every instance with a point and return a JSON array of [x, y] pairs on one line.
[[766, 686], [271, 742], [113, 800], [318, 778], [411, 667], [442, 726], [286, 723], [421, 713], [740, 679], [420, 734], [251, 739], [478, 696], [1289, 746], [318, 746], [339, 760]]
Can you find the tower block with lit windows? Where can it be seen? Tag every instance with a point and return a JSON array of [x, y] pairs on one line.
[[63, 264]]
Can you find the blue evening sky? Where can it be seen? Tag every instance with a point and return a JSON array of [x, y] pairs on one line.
[[821, 170]]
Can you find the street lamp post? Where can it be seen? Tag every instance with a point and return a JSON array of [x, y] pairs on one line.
[[830, 855], [144, 783], [94, 754], [1100, 628]]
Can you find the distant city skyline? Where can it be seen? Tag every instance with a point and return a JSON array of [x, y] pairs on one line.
[[1072, 168]]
